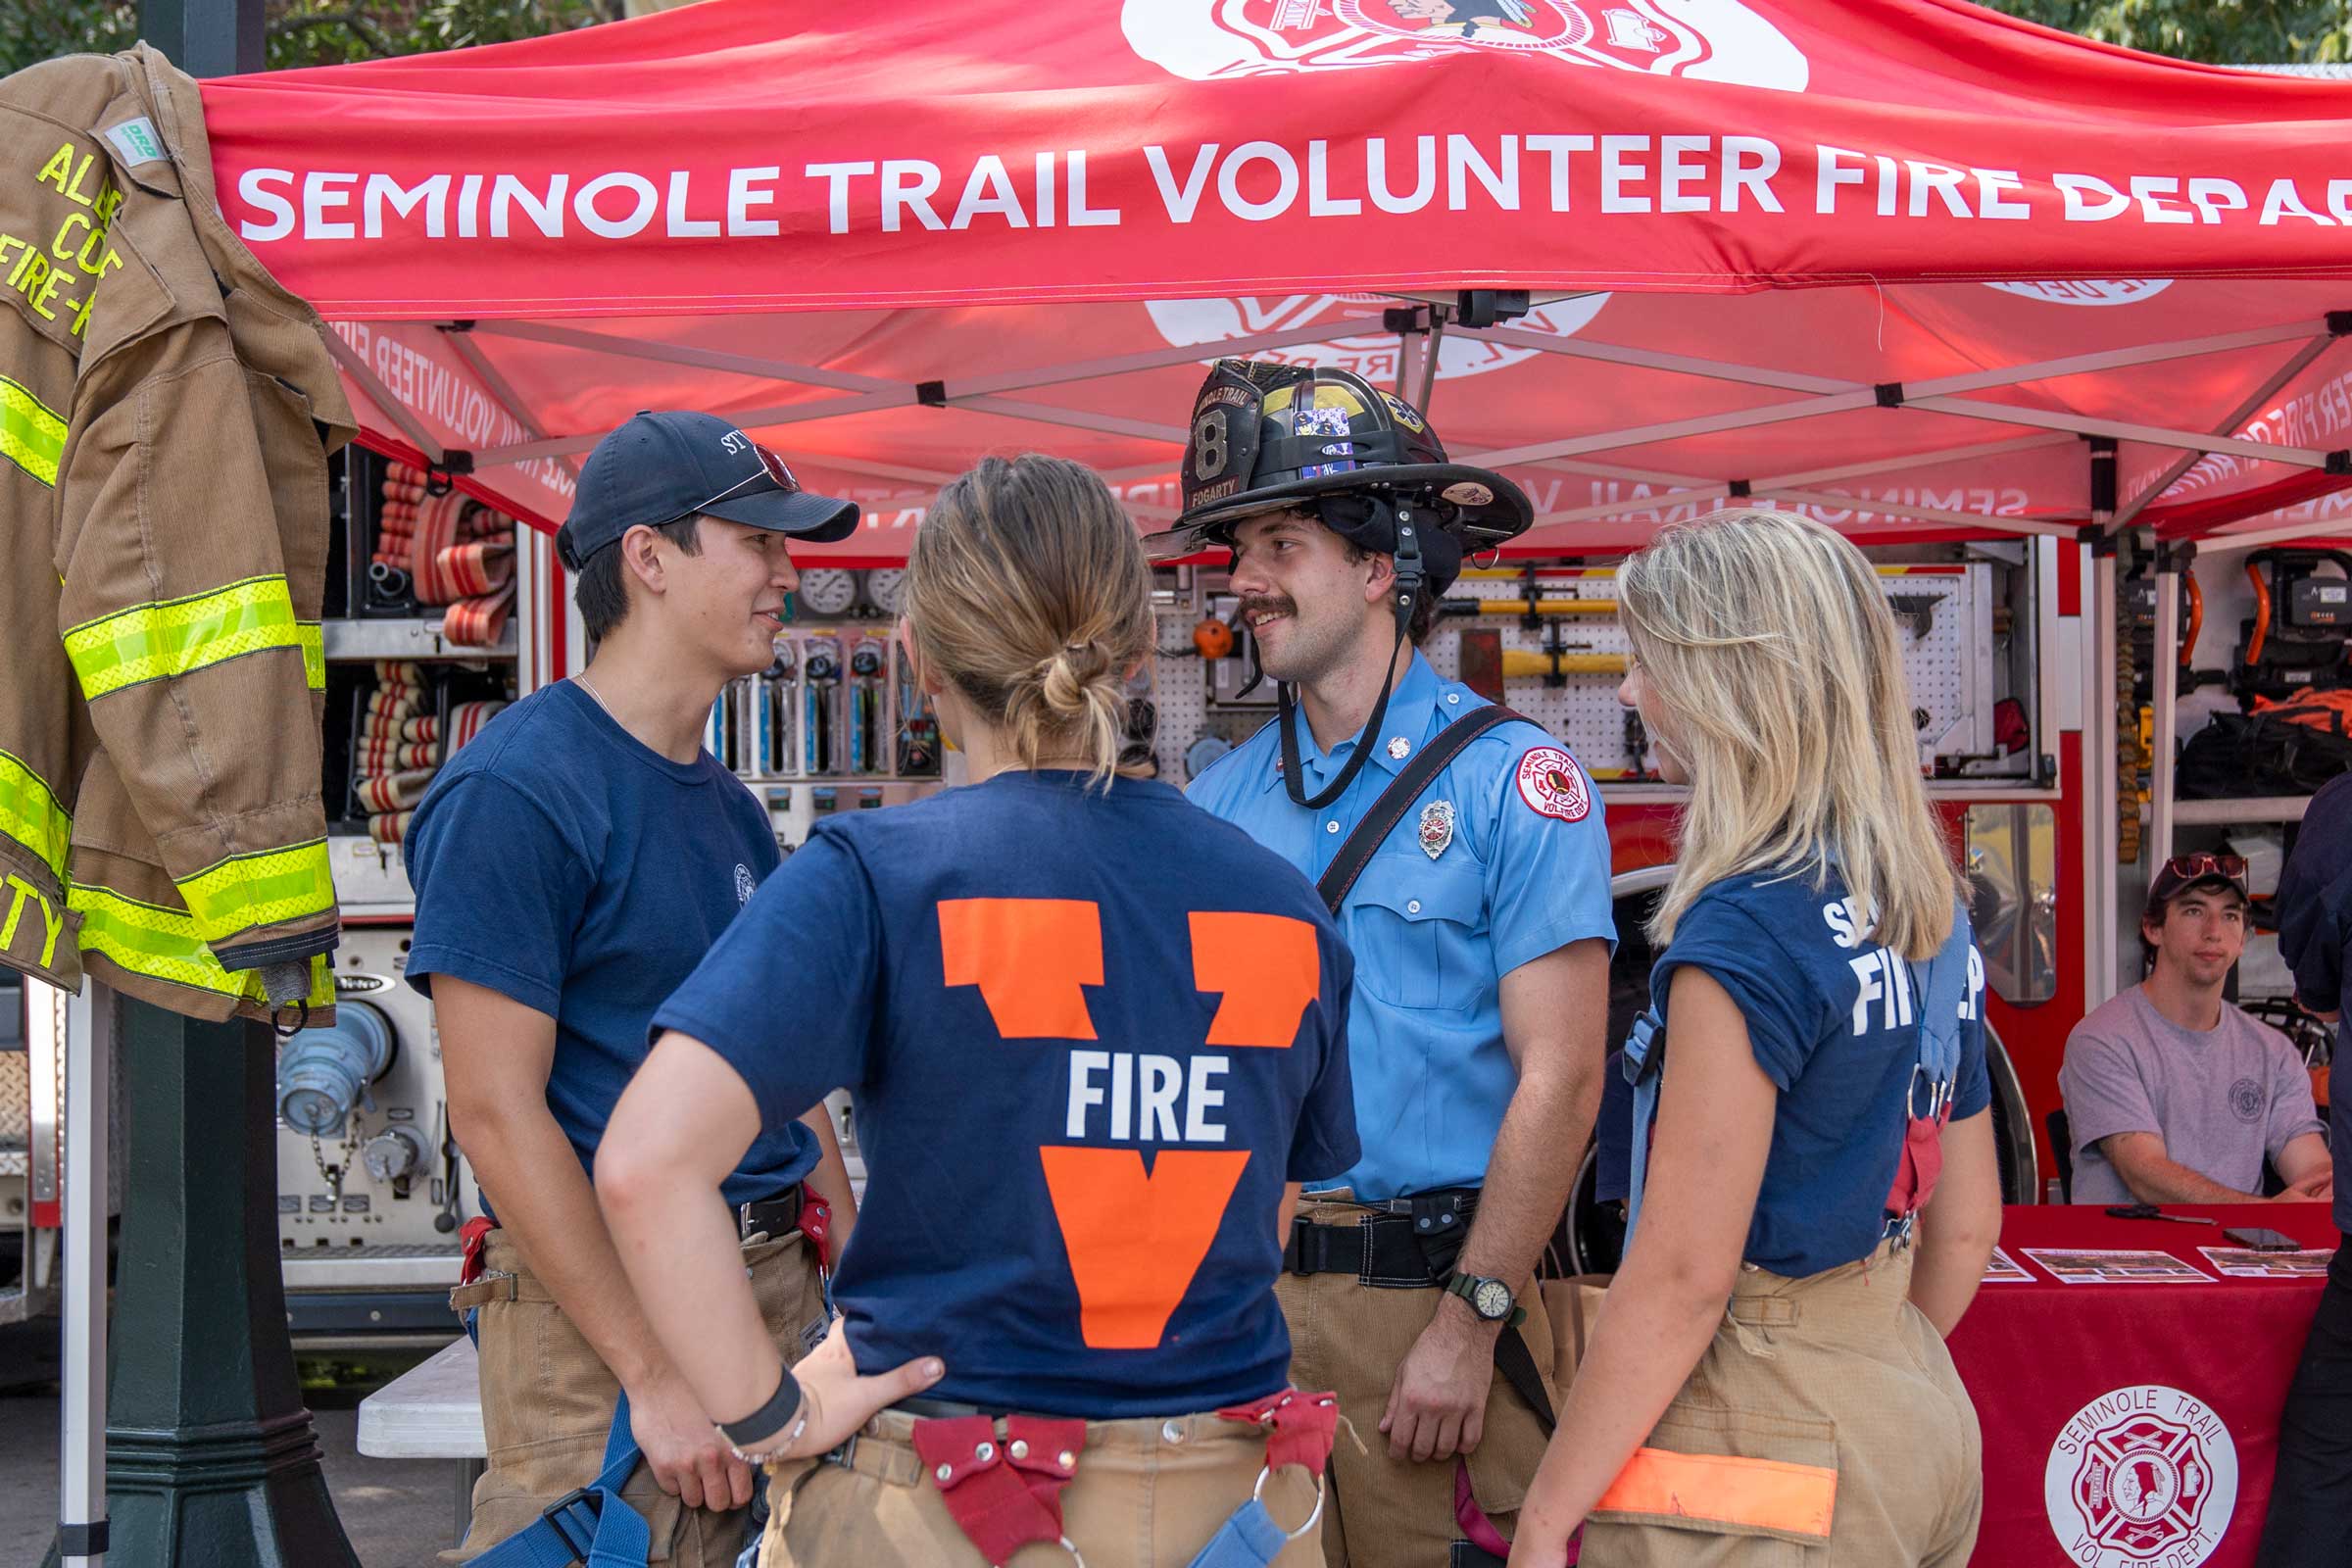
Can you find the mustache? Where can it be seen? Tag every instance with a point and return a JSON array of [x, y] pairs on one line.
[[1279, 606]]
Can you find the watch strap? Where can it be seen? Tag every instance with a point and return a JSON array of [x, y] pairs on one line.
[[769, 1420]]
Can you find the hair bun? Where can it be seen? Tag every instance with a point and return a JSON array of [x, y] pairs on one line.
[[1064, 677]]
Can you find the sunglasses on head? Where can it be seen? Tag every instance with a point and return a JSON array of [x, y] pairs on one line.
[[2184, 868]]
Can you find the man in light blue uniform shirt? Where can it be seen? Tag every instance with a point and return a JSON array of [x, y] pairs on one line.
[[1481, 928]]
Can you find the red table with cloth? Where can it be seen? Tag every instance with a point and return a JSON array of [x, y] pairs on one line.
[[2132, 1424]]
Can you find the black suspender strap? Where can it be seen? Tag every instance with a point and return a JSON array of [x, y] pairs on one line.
[[1397, 799]]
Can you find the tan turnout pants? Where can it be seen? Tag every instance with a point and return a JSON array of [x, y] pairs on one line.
[[1824, 1427], [548, 1398], [1351, 1338], [1148, 1494]]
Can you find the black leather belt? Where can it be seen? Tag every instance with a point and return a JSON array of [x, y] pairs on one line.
[[1403, 1243], [778, 1216], [924, 1410]]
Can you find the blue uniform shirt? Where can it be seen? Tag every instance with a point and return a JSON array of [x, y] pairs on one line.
[[1523, 870], [561, 861]]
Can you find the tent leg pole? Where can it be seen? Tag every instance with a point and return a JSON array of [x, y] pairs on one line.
[[2164, 689], [81, 1468], [210, 1457], [2102, 795]]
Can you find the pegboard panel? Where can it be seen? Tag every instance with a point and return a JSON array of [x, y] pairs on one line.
[[1945, 615]]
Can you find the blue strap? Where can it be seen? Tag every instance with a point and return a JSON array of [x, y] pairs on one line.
[[1641, 1069], [1249, 1539], [591, 1525], [1942, 988]]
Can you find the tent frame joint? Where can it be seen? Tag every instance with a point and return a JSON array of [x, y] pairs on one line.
[[1739, 490], [1889, 394], [1405, 319], [2339, 461], [2103, 544], [2176, 554], [931, 394], [2340, 324], [438, 476], [1481, 307]]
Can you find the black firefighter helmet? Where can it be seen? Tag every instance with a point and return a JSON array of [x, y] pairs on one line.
[[1266, 436]]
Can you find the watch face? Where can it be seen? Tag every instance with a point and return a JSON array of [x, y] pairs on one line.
[[828, 590], [1493, 1298]]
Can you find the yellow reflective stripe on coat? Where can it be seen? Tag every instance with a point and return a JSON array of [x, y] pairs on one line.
[[32, 435], [148, 642], [30, 815], [312, 637], [163, 945], [257, 890], [1797, 1500]]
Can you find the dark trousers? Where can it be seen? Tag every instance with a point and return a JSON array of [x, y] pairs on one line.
[[2310, 1523]]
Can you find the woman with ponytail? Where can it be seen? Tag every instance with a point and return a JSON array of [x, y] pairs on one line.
[[1096, 1039]]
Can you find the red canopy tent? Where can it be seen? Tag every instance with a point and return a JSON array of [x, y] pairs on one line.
[[1890, 261]]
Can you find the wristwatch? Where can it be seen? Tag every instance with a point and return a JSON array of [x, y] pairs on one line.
[[1490, 1298]]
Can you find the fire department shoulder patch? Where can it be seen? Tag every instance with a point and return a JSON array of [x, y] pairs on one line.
[[2141, 1475], [1552, 785]]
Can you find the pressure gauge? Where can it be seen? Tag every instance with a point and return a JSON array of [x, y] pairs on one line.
[[883, 586], [828, 591]]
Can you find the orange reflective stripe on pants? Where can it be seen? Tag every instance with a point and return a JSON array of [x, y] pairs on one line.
[[1761, 1494]]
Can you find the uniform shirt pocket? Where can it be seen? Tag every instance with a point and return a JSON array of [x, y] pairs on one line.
[[1417, 931]]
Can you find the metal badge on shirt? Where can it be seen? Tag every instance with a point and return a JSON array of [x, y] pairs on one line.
[[1437, 827]]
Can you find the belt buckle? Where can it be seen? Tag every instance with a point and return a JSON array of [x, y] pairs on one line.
[[560, 1515], [846, 1455]]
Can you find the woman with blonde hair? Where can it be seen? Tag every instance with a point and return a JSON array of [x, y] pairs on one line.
[[1096, 1039], [1814, 1192]]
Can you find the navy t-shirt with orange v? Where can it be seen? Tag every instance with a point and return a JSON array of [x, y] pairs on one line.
[[1088, 1036]]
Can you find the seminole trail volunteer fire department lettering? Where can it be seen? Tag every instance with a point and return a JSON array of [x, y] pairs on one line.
[[1883, 998], [58, 274], [1135, 1237]]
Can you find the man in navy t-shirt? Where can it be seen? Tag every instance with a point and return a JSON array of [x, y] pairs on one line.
[[571, 867], [1091, 1038]]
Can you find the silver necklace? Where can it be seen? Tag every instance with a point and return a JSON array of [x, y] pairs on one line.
[[586, 686]]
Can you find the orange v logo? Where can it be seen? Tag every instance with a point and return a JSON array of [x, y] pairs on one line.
[[1135, 1237]]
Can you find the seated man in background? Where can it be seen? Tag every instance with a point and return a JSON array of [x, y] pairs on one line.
[[2173, 1095]]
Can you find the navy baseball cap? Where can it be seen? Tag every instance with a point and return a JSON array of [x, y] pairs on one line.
[[662, 466]]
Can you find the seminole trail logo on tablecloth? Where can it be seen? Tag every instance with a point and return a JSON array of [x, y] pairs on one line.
[[2141, 1476], [1705, 40]]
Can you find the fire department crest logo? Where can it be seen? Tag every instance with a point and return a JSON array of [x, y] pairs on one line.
[[1705, 40], [1369, 350], [745, 887], [1437, 827], [1552, 785], [2141, 1476]]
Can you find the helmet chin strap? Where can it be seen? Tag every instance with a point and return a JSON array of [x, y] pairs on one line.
[[1410, 574]]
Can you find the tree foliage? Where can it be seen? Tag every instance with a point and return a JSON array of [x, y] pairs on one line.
[[301, 33], [2222, 32]]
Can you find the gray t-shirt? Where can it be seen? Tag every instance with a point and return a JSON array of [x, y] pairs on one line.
[[2222, 1099]]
